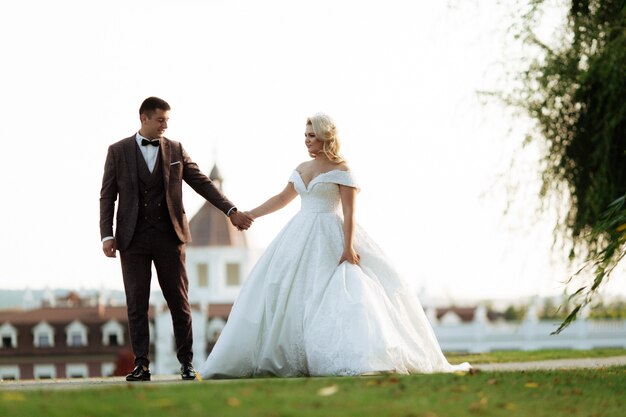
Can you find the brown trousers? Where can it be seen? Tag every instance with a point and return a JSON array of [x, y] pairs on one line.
[[168, 254]]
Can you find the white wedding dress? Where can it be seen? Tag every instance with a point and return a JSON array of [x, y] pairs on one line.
[[300, 314]]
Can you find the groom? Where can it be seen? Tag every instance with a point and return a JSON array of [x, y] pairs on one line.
[[146, 172]]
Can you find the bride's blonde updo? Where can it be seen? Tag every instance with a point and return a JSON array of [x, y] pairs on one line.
[[326, 132]]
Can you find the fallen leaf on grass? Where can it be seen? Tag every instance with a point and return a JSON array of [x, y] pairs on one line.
[[480, 405], [164, 402], [493, 381], [327, 391], [507, 406], [13, 396], [233, 402], [531, 385], [510, 406]]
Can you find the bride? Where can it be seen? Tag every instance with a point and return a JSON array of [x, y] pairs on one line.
[[323, 299]]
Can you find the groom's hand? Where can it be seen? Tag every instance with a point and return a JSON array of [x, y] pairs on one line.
[[241, 221], [109, 248]]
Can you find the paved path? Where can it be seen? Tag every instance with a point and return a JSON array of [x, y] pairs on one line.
[[79, 383], [554, 364]]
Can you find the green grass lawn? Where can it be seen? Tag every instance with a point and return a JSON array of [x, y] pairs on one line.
[[583, 392], [571, 393], [538, 355]]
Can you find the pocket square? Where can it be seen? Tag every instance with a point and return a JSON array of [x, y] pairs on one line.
[[174, 163]]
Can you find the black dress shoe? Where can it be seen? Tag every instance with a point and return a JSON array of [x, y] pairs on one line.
[[187, 372], [139, 374]]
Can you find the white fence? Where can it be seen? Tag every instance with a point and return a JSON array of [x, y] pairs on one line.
[[480, 335]]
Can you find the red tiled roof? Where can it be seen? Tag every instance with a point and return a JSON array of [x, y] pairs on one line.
[[66, 315], [465, 313], [88, 315]]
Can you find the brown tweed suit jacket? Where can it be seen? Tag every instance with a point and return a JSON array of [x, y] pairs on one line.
[[120, 179]]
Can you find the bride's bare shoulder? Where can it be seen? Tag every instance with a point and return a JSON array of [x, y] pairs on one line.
[[342, 166], [303, 166]]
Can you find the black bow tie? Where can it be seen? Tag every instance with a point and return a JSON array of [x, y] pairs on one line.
[[146, 142]]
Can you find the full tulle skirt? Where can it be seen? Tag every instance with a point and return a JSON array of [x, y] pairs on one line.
[[299, 313]]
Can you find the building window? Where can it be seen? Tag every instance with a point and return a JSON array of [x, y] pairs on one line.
[[44, 341], [9, 336], [203, 275], [7, 342], [43, 335], [76, 334], [44, 371], [9, 372], [76, 370], [76, 339], [107, 369], [232, 275], [113, 333]]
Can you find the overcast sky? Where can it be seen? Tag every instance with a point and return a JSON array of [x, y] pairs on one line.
[[399, 78]]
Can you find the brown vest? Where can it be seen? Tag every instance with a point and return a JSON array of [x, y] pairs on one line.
[[152, 203]]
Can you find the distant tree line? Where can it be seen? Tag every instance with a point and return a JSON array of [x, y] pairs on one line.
[[554, 310]]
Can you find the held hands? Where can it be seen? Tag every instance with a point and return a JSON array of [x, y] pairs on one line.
[[351, 256], [109, 248], [241, 220]]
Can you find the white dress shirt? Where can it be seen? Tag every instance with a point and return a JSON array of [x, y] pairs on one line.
[[149, 152]]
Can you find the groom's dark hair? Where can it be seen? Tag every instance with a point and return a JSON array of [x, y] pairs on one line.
[[150, 105]]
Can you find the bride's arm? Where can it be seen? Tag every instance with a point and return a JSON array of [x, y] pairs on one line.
[[348, 195], [275, 203]]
